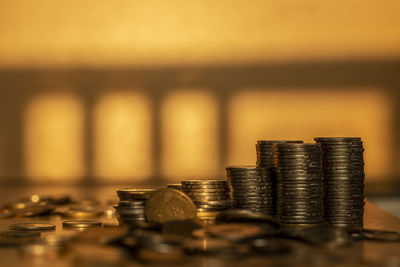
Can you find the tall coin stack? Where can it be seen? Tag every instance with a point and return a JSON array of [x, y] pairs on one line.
[[299, 183], [265, 157], [208, 195], [265, 151], [131, 207], [343, 165], [251, 188]]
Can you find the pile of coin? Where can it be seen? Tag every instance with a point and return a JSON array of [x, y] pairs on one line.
[[251, 188], [343, 166], [208, 195], [299, 183], [131, 207]]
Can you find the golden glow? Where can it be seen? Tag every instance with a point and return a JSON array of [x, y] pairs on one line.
[[54, 138], [123, 137], [298, 114], [189, 135], [175, 32]]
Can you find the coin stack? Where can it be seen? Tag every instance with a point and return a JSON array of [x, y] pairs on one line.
[[265, 151], [130, 212], [131, 207], [343, 166], [251, 188], [209, 195], [299, 183], [128, 194]]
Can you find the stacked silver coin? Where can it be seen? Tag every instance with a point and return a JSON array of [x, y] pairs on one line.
[[265, 157], [208, 195], [251, 188], [265, 151], [299, 183], [128, 194], [131, 207], [343, 165]]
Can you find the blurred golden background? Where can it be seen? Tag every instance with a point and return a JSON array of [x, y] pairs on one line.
[[140, 92]]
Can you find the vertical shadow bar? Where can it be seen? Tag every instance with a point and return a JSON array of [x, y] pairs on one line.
[[88, 137], [12, 125], [157, 98], [222, 98]]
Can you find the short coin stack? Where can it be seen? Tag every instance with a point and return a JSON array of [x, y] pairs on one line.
[[251, 188], [343, 166], [299, 184], [134, 193], [131, 207], [208, 195]]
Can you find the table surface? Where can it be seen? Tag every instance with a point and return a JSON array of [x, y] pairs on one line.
[[362, 253]]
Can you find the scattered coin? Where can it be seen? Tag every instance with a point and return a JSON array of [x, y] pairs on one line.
[[381, 235], [33, 226], [81, 224], [5, 213], [81, 211]]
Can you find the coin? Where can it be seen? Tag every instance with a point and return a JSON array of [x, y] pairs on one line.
[[33, 226], [80, 211], [81, 224], [203, 182], [130, 193], [169, 205], [5, 213]]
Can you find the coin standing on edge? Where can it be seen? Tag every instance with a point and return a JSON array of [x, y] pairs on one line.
[[169, 205]]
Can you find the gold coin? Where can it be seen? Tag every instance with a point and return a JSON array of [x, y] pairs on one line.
[[169, 205]]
